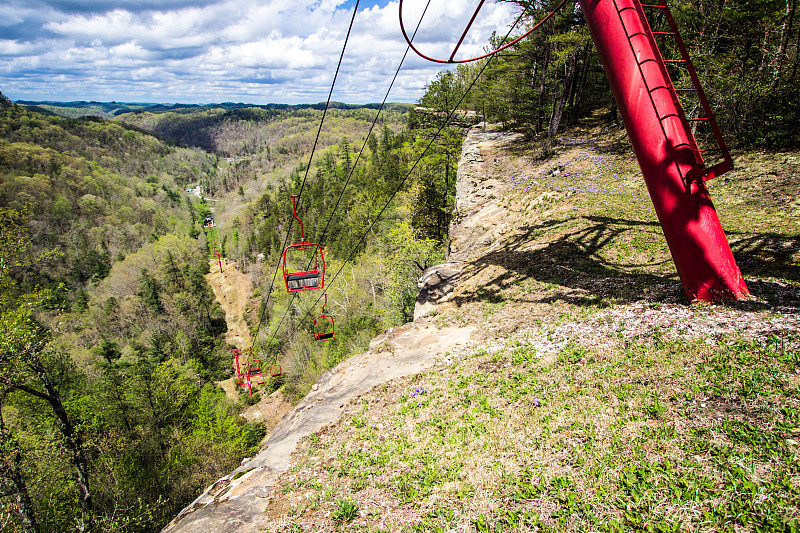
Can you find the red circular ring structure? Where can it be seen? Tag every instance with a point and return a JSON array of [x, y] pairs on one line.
[[455, 61]]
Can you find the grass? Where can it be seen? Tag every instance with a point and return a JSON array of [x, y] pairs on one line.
[[578, 414], [346, 510], [698, 439]]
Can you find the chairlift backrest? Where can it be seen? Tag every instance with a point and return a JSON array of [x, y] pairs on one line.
[[311, 278], [254, 368], [323, 326]]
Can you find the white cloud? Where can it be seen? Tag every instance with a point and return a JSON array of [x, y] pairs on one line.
[[237, 50], [276, 52], [130, 50], [155, 31], [14, 48]]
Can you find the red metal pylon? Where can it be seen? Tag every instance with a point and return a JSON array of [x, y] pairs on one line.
[[663, 145]]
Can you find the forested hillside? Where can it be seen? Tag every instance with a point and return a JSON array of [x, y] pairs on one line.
[[112, 343], [380, 207], [111, 336], [112, 340], [254, 142]]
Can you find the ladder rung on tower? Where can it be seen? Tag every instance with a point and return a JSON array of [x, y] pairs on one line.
[[701, 170]]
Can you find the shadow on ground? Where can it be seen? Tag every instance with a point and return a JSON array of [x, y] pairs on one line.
[[572, 268], [766, 255]]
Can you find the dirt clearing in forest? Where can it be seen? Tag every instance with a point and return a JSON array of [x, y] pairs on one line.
[[232, 288]]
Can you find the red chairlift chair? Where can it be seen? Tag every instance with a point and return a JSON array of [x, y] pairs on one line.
[[254, 371], [303, 280], [275, 370], [323, 325]]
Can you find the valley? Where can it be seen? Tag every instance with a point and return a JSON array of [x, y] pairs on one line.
[[510, 342]]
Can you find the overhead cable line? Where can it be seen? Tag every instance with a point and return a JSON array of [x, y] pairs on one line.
[[408, 174], [305, 177], [352, 170], [451, 61], [375, 121]]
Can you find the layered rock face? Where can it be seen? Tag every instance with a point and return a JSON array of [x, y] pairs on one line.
[[479, 219]]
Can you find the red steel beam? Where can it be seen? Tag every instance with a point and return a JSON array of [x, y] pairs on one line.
[[690, 224]]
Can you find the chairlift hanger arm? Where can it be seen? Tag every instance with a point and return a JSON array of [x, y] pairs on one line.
[[294, 214], [452, 61], [463, 35]]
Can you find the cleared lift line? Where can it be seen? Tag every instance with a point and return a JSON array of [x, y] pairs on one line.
[[347, 181]]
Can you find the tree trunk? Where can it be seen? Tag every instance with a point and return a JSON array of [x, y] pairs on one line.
[[575, 107], [12, 481], [72, 440], [74, 446], [542, 87], [786, 32], [573, 86], [796, 57], [444, 214], [558, 109]]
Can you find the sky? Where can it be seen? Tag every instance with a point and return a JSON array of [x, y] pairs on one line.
[[212, 51]]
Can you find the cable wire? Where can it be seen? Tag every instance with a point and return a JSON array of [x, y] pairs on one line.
[[400, 186], [355, 163], [350, 175], [305, 177], [375, 121]]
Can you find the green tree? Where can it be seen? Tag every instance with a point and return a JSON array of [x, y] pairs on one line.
[[28, 364], [12, 482], [409, 257], [149, 292]]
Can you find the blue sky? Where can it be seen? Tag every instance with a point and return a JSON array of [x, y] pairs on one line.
[[204, 51]]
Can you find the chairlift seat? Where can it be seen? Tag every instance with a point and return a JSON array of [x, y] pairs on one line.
[[254, 371], [275, 370], [302, 281], [302, 252], [324, 329]]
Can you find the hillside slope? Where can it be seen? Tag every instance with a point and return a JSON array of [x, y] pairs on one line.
[[554, 378]]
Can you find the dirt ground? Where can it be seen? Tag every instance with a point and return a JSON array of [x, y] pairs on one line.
[[232, 289]]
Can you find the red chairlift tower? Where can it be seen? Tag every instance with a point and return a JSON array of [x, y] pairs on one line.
[[219, 260], [672, 162], [662, 138], [236, 354]]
